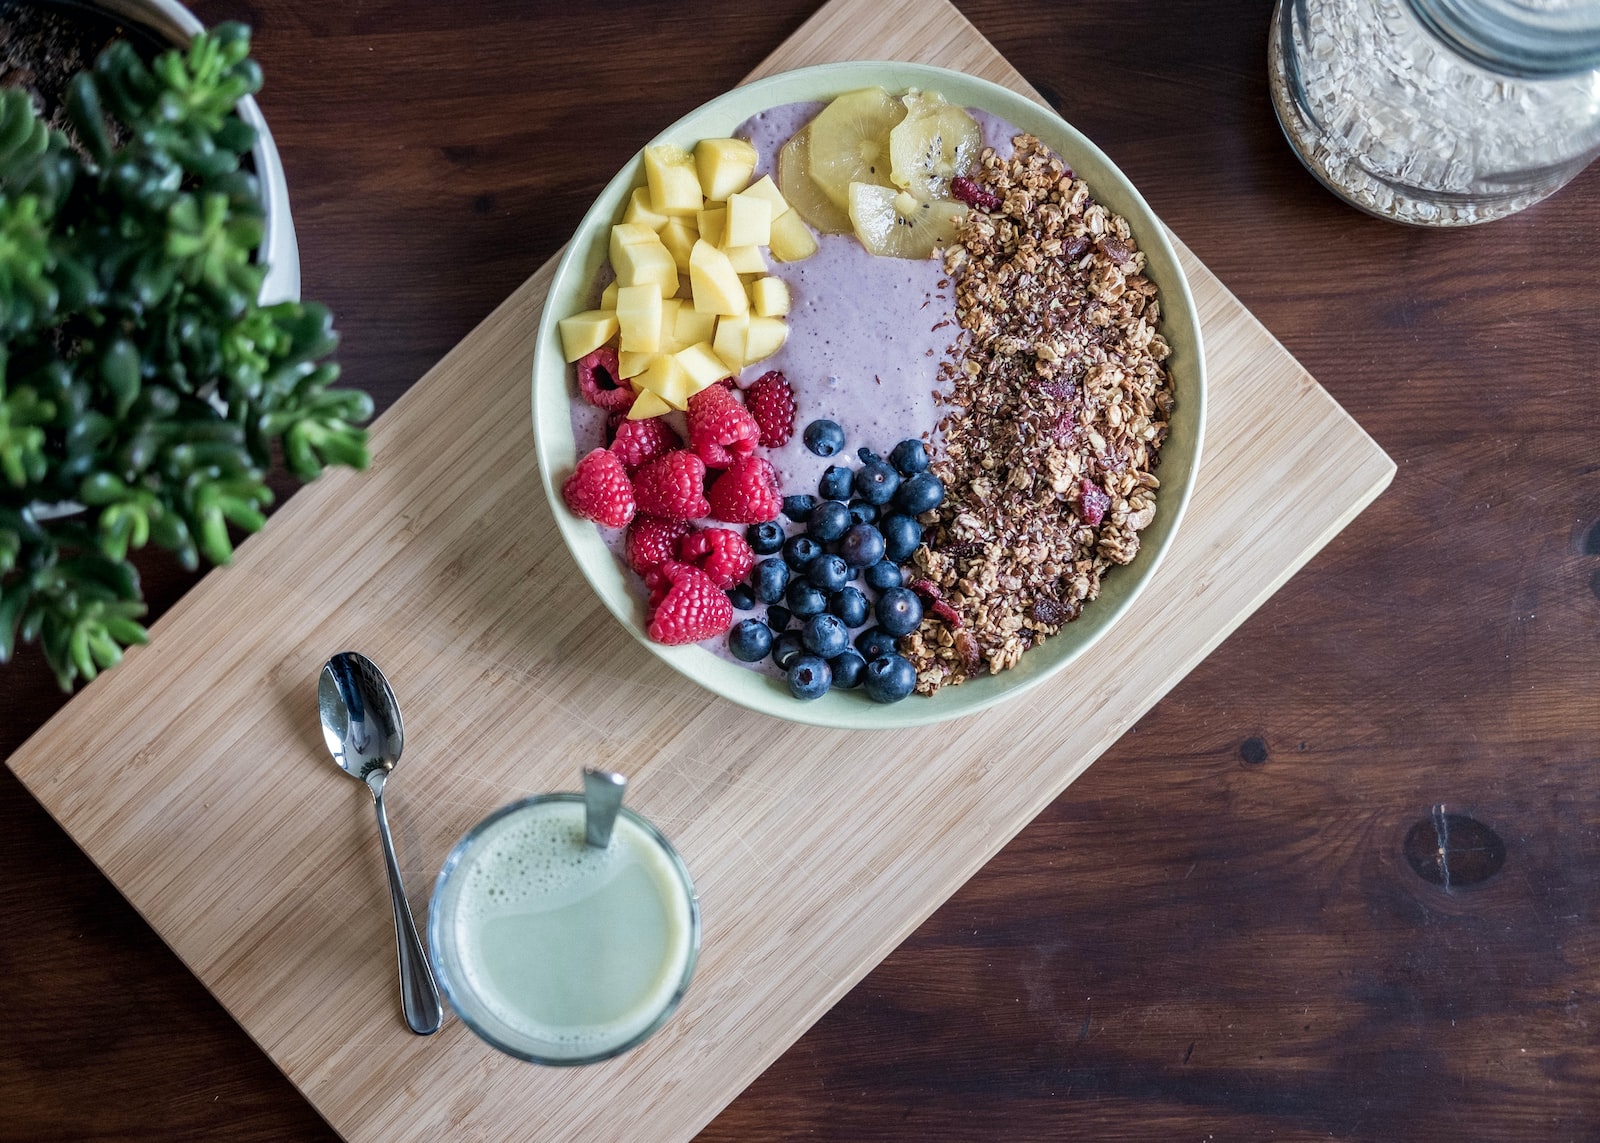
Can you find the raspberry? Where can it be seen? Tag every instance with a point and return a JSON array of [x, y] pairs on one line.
[[1095, 502], [747, 493], [693, 608], [671, 486], [720, 428], [639, 441], [721, 554], [972, 194], [599, 383], [653, 541], [598, 490], [771, 403]]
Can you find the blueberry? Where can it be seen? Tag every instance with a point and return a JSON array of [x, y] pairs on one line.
[[805, 599], [899, 611], [890, 678], [772, 576], [863, 513], [810, 677], [800, 552], [909, 457], [875, 642], [778, 618], [742, 598], [835, 483], [750, 640], [862, 546], [829, 521], [876, 482], [825, 438], [825, 635], [799, 508], [786, 648], [830, 573], [764, 539], [867, 455], [884, 574], [849, 605], [901, 535], [848, 668], [920, 493]]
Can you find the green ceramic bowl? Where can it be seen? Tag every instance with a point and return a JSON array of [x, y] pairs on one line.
[[554, 390]]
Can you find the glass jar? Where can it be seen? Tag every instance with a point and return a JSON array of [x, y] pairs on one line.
[[1439, 112]]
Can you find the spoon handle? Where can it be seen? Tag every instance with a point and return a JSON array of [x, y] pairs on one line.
[[419, 995]]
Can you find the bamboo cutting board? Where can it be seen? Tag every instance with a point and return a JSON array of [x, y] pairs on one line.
[[195, 777]]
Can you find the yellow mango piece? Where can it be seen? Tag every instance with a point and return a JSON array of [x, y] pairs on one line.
[[670, 307], [608, 296], [639, 315], [646, 264], [641, 211], [586, 332], [633, 234], [724, 165], [746, 259], [647, 405], [712, 221], [769, 297], [716, 285], [765, 337], [702, 364], [667, 380], [765, 188], [729, 343], [749, 221], [631, 363], [678, 237], [673, 179], [694, 326], [792, 240]]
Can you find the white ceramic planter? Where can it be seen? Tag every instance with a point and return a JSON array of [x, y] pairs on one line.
[[171, 21]]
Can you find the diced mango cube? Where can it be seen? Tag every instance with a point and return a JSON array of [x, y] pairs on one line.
[[694, 326], [746, 259], [729, 344], [631, 363], [749, 221], [765, 188], [716, 284], [666, 378], [725, 165], [678, 237], [713, 220], [769, 297], [633, 234], [704, 367], [641, 211], [646, 405], [608, 296], [639, 315], [765, 337], [674, 181], [792, 239], [670, 307], [646, 264], [586, 332]]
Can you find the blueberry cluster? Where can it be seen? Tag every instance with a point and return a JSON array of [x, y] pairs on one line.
[[861, 526]]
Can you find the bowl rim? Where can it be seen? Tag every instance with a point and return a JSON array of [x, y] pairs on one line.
[[845, 710]]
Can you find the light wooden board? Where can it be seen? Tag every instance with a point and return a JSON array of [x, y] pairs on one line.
[[194, 775]]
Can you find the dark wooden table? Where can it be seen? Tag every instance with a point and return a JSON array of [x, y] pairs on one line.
[[1233, 926]]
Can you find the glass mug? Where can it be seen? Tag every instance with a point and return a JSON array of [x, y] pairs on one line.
[[556, 951]]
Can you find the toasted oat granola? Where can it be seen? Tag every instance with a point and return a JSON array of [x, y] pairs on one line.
[[1059, 404]]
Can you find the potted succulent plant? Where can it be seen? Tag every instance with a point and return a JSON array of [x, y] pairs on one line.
[[145, 389]]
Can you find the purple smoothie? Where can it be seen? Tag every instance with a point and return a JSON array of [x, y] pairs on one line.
[[866, 338]]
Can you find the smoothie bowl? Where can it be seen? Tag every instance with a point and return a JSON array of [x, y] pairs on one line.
[[869, 394]]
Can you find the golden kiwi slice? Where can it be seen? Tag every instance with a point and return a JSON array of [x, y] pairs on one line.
[[934, 143], [896, 224], [802, 191], [850, 141]]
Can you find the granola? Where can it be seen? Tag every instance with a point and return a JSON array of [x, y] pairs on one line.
[[1058, 406]]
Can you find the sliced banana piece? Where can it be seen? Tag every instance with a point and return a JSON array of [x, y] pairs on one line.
[[896, 224], [934, 143], [802, 191], [850, 142]]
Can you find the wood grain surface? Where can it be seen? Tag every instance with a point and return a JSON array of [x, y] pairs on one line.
[[1217, 930]]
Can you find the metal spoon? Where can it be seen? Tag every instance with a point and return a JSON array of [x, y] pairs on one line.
[[361, 725], [602, 798]]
